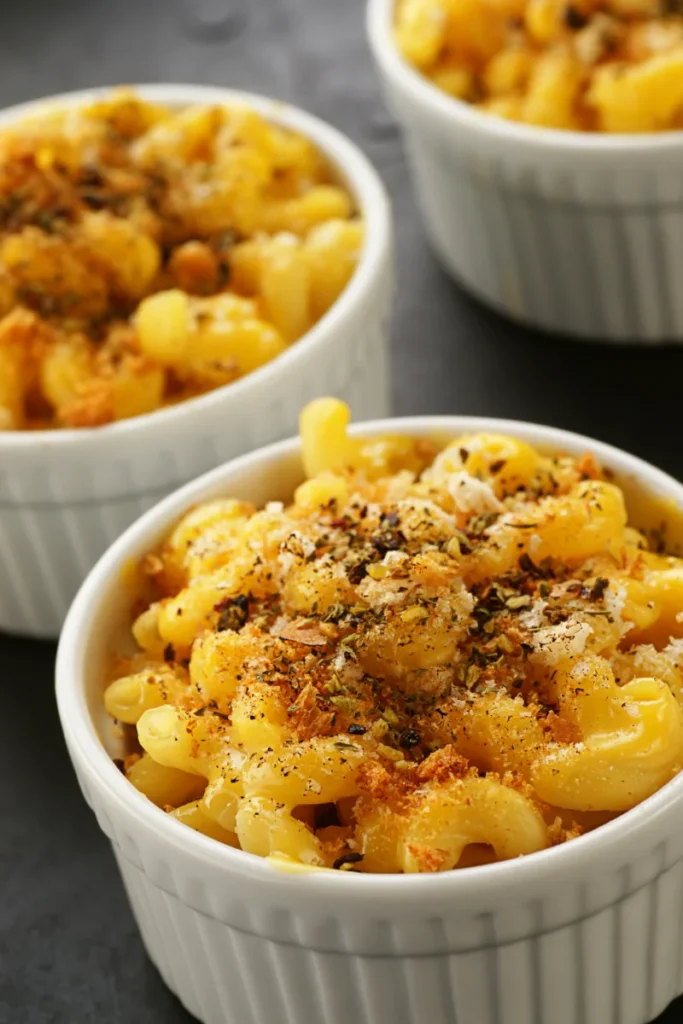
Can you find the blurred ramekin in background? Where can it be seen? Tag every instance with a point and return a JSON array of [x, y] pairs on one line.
[[580, 233], [65, 495], [587, 932]]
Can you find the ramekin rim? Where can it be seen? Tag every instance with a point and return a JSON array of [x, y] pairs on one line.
[[344, 154], [89, 753], [456, 114]]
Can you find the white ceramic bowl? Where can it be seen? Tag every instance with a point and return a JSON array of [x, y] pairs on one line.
[[567, 231], [589, 932], [66, 494]]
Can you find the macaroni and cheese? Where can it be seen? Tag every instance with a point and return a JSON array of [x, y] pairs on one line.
[[148, 255], [434, 657], [591, 65]]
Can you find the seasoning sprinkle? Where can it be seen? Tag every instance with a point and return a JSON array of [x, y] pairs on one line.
[[357, 572], [410, 739], [599, 587], [233, 613], [574, 18]]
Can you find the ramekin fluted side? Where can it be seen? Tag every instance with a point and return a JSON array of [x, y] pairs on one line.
[[65, 496], [538, 249], [607, 949], [587, 972], [565, 231]]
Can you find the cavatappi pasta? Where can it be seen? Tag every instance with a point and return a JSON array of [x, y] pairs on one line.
[[148, 255], [591, 65], [431, 659]]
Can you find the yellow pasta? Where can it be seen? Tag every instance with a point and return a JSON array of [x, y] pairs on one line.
[[162, 785], [129, 697], [438, 656], [259, 720], [322, 203], [223, 795], [65, 371], [608, 65], [331, 250], [447, 819], [421, 29], [191, 814], [629, 734], [154, 255], [644, 98], [12, 387], [130, 255], [553, 91], [265, 828], [285, 286], [318, 772]]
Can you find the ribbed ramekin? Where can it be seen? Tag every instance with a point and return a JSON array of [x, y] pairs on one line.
[[586, 933], [66, 494], [573, 232]]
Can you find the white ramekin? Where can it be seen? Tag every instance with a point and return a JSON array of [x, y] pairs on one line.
[[567, 231], [586, 933], [66, 494]]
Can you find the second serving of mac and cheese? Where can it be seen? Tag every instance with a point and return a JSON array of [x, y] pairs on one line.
[[149, 254], [433, 658], [587, 65]]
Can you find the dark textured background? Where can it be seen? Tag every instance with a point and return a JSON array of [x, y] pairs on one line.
[[69, 953]]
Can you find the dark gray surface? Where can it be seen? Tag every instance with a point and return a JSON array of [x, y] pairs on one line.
[[69, 952]]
